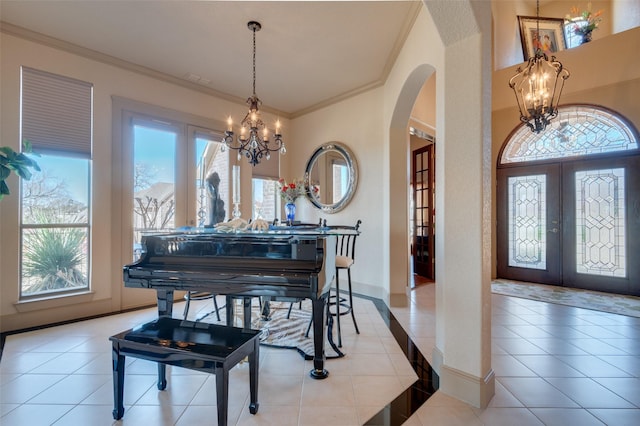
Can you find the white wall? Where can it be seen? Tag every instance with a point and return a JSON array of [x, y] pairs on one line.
[[506, 41], [625, 15], [357, 123]]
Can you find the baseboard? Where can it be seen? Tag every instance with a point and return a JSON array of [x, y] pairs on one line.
[[473, 390], [374, 291]]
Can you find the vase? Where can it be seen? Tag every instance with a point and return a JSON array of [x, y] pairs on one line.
[[586, 37], [290, 210]]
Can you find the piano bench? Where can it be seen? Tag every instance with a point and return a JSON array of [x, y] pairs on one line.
[[198, 346]]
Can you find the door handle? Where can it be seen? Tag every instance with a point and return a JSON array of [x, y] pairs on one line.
[[554, 230]]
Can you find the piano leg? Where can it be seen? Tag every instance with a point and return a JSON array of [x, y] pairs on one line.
[[118, 382], [165, 303], [246, 313], [318, 307], [230, 310]]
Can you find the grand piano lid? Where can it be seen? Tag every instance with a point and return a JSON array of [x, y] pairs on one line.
[[274, 231]]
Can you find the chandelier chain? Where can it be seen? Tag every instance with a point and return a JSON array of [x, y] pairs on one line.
[[254, 60], [537, 25]]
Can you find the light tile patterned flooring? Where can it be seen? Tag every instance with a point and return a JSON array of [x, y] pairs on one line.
[[555, 365]]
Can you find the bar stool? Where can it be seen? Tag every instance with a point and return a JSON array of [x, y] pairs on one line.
[[345, 258]]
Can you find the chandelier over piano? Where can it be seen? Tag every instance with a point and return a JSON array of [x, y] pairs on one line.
[[253, 141]]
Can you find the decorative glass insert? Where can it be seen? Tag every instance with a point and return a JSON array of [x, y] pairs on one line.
[[577, 131], [527, 221], [600, 223]]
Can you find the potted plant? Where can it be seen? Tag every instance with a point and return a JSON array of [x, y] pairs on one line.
[[585, 22], [18, 162]]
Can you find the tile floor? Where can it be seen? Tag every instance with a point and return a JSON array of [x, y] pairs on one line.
[[555, 365]]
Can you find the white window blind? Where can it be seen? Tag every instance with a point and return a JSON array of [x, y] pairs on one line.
[[268, 169], [56, 113]]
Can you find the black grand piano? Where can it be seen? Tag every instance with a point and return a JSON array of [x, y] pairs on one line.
[[282, 262]]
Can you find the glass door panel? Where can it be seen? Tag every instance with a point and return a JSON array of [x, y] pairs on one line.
[[601, 199], [423, 223], [527, 217], [210, 180], [600, 222], [154, 180], [529, 225]]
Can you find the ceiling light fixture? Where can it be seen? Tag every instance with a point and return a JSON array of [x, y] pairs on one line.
[[536, 86], [253, 140]]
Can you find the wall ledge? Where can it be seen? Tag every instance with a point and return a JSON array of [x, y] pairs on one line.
[[32, 305]]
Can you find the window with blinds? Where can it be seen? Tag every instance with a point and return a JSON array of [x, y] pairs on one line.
[[55, 236]]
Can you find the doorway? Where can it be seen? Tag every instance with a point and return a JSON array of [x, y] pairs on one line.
[[571, 221], [423, 221]]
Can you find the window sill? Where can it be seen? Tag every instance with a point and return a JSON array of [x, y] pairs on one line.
[[49, 302]]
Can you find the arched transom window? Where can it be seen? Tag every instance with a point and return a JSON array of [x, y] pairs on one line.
[[578, 130]]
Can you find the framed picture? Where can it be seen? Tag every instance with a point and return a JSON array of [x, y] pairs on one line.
[[551, 37]]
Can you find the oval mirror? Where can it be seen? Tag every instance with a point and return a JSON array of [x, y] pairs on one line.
[[331, 177]]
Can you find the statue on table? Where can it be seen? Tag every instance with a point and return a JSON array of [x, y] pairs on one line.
[[216, 205]]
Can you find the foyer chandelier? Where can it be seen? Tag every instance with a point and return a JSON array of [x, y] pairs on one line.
[[538, 86], [253, 140]]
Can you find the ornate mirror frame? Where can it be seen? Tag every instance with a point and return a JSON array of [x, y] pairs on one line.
[[339, 150]]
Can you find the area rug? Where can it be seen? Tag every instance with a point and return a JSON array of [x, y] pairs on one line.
[[281, 332], [594, 300]]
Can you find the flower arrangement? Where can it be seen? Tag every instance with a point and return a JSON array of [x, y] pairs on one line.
[[587, 21], [290, 191]]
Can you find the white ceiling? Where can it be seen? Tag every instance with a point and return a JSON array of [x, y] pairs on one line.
[[308, 53]]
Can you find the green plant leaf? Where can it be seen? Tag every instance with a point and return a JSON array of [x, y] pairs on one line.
[[8, 152], [16, 161], [26, 145], [4, 172], [4, 189]]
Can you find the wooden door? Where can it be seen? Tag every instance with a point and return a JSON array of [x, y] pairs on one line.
[[423, 214]]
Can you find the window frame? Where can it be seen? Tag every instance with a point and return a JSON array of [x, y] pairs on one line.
[[123, 109], [63, 129]]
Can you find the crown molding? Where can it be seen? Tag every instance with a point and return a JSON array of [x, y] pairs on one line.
[[391, 60], [55, 43]]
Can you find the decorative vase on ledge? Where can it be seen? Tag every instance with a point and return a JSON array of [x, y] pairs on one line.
[[586, 37], [290, 210]]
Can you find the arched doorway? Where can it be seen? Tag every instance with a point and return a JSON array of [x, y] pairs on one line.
[[568, 203]]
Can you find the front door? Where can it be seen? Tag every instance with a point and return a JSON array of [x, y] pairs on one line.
[[575, 224], [529, 224], [602, 225]]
